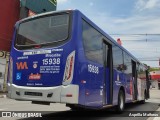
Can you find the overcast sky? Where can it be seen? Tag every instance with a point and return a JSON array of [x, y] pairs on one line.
[[125, 17]]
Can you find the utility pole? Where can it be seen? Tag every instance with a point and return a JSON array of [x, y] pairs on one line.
[[23, 9]]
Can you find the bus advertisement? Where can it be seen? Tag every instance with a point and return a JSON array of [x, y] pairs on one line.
[[63, 57]]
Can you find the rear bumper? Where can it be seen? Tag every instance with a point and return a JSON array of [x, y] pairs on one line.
[[60, 94]]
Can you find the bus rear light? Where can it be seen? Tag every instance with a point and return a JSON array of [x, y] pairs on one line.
[[69, 69], [83, 81], [87, 93], [37, 46], [69, 95]]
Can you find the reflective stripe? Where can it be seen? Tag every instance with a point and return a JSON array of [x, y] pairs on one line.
[[69, 69]]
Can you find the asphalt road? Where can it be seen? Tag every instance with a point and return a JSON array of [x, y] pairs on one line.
[[103, 114], [61, 112]]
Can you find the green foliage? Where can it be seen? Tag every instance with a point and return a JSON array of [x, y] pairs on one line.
[[54, 2], [154, 69]]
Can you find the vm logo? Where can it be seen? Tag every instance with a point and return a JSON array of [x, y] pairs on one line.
[[22, 65]]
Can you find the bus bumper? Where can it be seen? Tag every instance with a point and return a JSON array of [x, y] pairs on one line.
[[59, 94]]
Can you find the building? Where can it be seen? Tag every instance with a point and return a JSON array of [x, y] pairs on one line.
[[9, 14], [155, 79], [37, 6]]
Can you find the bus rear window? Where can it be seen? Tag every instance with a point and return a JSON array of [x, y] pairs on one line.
[[43, 30]]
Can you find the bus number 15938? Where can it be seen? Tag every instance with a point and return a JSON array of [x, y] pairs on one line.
[[51, 61]]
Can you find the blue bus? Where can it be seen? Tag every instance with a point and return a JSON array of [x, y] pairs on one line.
[[63, 57]]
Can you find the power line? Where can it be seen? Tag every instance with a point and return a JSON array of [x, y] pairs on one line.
[[141, 40], [158, 34], [153, 50], [149, 60]]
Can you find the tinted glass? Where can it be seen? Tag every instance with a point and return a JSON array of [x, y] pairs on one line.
[[43, 30], [117, 58], [92, 41], [141, 72], [127, 64]]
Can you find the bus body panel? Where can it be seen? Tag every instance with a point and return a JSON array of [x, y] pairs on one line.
[[39, 70], [48, 62], [30, 70], [89, 83], [117, 83], [92, 88], [60, 94], [128, 79], [35, 70]]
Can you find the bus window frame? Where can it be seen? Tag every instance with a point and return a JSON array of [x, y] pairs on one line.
[[104, 38], [47, 44]]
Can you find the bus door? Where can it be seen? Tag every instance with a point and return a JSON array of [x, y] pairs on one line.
[[134, 80], [107, 85]]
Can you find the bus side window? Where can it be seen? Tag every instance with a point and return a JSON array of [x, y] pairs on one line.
[[92, 42], [117, 58]]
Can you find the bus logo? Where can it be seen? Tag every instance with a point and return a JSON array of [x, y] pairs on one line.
[[22, 65], [18, 76], [34, 76]]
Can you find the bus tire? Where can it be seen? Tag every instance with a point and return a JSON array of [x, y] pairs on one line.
[[73, 107], [121, 101]]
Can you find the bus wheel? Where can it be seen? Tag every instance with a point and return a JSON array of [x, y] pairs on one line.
[[73, 107], [121, 102]]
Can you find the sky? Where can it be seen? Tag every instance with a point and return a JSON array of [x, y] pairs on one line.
[[135, 22]]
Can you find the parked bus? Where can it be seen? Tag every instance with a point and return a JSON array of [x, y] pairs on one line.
[[63, 57]]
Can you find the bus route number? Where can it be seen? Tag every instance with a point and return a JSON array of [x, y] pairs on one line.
[[93, 69], [51, 61]]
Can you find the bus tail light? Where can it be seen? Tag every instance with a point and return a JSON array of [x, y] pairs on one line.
[[69, 95], [69, 68]]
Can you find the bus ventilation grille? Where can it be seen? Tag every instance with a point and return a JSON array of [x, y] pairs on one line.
[[33, 93]]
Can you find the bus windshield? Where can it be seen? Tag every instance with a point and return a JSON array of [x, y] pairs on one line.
[[43, 30]]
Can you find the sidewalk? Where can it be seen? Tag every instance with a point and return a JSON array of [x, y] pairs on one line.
[[2, 95], [154, 96]]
